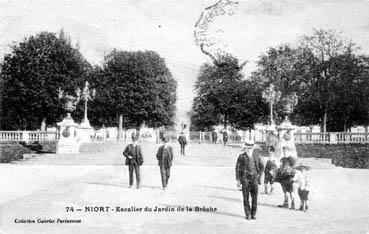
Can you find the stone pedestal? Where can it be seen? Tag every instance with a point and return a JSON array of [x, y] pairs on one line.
[[271, 136], [286, 137], [68, 143], [85, 131]]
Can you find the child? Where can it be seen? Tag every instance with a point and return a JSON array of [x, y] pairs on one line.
[[285, 176], [302, 180], [270, 171]]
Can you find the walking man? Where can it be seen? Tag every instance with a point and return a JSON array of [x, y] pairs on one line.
[[249, 168], [182, 142], [165, 157], [225, 137], [134, 160], [214, 136]]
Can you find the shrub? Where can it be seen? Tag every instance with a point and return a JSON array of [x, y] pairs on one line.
[[10, 151]]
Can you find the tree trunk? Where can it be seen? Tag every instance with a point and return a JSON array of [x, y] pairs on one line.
[[120, 126], [43, 124], [324, 124], [225, 121]]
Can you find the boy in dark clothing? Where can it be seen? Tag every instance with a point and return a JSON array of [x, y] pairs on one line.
[[270, 171]]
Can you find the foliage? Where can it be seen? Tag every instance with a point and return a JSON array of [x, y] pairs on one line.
[[31, 75], [247, 106], [136, 84], [331, 80], [12, 151], [326, 46], [223, 97]]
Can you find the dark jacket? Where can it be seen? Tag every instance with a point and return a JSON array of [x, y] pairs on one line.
[[214, 136], [270, 166], [182, 140], [225, 136], [246, 172], [165, 156], [135, 153]]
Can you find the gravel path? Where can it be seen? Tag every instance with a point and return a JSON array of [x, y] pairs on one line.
[[338, 203]]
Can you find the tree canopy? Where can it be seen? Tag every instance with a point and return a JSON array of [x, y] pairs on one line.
[[223, 97], [31, 75], [329, 76], [138, 86]]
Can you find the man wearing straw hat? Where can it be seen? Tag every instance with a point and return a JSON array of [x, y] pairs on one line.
[[249, 168]]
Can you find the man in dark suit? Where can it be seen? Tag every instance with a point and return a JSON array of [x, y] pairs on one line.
[[182, 142], [214, 136], [249, 168], [165, 157], [134, 160], [225, 137]]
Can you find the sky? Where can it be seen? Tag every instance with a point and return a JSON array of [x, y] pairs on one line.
[[167, 26]]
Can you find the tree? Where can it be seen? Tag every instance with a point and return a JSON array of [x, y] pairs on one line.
[[137, 86], [287, 69], [351, 82], [328, 76], [216, 84], [325, 45], [31, 75], [248, 107], [203, 115]]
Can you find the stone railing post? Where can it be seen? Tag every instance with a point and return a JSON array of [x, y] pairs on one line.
[[332, 138], [25, 136]]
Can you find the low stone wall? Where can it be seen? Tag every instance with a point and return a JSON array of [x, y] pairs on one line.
[[344, 155], [10, 151]]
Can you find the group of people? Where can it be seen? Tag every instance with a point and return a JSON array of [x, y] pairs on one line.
[[249, 170], [214, 137], [134, 160]]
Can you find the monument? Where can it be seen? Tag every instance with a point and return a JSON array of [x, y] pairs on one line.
[[68, 143], [286, 130], [85, 129]]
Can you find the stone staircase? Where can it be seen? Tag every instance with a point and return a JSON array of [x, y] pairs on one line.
[[110, 153]]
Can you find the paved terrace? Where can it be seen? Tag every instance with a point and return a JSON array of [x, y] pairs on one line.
[[205, 177]]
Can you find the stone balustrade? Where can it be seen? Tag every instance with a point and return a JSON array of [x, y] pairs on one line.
[[29, 136], [331, 138], [206, 137]]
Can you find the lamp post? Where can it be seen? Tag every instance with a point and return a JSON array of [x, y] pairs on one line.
[[272, 96], [87, 95]]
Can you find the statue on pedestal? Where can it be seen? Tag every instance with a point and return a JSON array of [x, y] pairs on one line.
[[286, 129]]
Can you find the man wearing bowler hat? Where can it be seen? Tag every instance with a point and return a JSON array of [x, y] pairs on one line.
[[134, 160], [165, 157], [249, 168]]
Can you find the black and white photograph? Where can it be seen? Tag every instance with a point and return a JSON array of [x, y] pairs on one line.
[[169, 116]]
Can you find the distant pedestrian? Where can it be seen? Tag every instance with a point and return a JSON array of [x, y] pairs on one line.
[[225, 137], [249, 168], [214, 136], [182, 142], [303, 182], [270, 171], [134, 160], [165, 157]]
